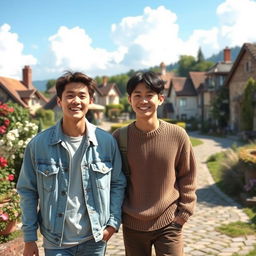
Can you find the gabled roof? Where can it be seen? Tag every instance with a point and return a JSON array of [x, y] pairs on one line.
[[198, 79], [247, 47], [105, 89], [18, 91], [183, 86]]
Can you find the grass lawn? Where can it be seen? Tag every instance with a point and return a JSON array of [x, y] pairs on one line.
[[195, 141]]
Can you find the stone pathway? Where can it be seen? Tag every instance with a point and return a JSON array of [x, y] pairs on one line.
[[213, 209]]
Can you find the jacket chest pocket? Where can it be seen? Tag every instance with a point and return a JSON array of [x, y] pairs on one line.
[[102, 173], [48, 176]]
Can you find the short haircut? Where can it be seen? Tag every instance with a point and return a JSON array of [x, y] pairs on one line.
[[151, 79], [74, 77]]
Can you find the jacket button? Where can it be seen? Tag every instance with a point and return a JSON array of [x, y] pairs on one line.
[[46, 172], [56, 239], [60, 215], [63, 192]]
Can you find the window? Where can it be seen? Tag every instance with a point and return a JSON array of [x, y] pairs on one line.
[[248, 66], [183, 102]]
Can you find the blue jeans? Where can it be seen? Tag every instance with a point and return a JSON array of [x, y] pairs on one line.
[[88, 248]]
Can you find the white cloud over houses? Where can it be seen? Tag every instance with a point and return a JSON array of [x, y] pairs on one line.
[[141, 41], [12, 58]]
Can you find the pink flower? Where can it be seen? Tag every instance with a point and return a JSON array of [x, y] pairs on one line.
[[10, 177], [3, 162], [4, 216], [2, 129]]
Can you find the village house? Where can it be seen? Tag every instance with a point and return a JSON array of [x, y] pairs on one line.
[[22, 92], [243, 68], [215, 79]]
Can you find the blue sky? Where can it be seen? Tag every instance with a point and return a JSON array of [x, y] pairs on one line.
[[110, 37]]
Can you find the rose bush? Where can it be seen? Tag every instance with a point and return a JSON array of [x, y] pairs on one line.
[[16, 131]]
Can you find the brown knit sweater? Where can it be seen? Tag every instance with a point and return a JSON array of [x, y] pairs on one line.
[[163, 177]]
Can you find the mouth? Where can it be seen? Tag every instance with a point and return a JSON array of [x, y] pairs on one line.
[[143, 108], [75, 109]]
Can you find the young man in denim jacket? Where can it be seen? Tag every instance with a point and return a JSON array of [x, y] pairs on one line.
[[71, 184]]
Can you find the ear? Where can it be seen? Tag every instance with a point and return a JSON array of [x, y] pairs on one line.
[[91, 100], [161, 99], [59, 102], [129, 100]]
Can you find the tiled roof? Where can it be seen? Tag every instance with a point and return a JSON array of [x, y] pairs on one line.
[[220, 67], [251, 49], [183, 86], [105, 89], [17, 90], [198, 79]]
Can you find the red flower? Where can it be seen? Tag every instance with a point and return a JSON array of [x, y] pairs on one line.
[[3, 162], [6, 122], [10, 177]]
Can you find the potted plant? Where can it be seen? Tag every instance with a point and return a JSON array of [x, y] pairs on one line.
[[10, 214]]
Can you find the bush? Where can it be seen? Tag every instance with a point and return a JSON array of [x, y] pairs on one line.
[[46, 117]]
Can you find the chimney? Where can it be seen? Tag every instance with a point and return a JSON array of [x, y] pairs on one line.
[[163, 68], [27, 77], [105, 80], [227, 55]]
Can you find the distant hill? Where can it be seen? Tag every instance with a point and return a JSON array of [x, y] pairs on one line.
[[219, 56], [40, 85]]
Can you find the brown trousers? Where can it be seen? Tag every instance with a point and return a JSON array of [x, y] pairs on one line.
[[167, 241]]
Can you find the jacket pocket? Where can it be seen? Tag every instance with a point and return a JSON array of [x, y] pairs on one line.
[[48, 176], [102, 173]]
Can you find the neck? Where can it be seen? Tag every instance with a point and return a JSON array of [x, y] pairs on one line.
[[147, 125], [74, 129]]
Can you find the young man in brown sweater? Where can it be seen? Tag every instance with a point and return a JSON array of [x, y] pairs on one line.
[[162, 181]]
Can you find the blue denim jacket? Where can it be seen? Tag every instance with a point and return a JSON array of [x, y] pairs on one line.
[[44, 179]]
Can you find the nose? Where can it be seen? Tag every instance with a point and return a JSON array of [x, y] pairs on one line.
[[144, 99], [76, 99]]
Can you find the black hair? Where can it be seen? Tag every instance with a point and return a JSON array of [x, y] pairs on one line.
[[74, 77], [151, 79]]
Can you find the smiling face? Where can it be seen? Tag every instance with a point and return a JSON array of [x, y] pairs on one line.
[[75, 101], [145, 102]]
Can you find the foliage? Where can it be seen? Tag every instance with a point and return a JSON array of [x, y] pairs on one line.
[[126, 104], [113, 110], [220, 107], [50, 84], [248, 104], [200, 55], [10, 211], [10, 237], [46, 117], [188, 63], [248, 155]]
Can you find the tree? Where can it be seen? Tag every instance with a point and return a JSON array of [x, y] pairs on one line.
[[50, 84], [186, 64], [220, 107], [248, 105], [200, 56]]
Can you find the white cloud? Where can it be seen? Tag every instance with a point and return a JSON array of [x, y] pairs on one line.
[[73, 50], [12, 59], [237, 21]]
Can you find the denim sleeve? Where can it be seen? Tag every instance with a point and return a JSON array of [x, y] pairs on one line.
[[27, 189], [117, 188]]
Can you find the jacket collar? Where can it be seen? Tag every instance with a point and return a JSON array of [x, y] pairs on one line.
[[58, 135]]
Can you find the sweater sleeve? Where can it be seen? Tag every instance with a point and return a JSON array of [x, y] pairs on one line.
[[186, 180]]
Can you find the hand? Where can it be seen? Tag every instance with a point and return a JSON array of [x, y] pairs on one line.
[[108, 232], [30, 249]]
